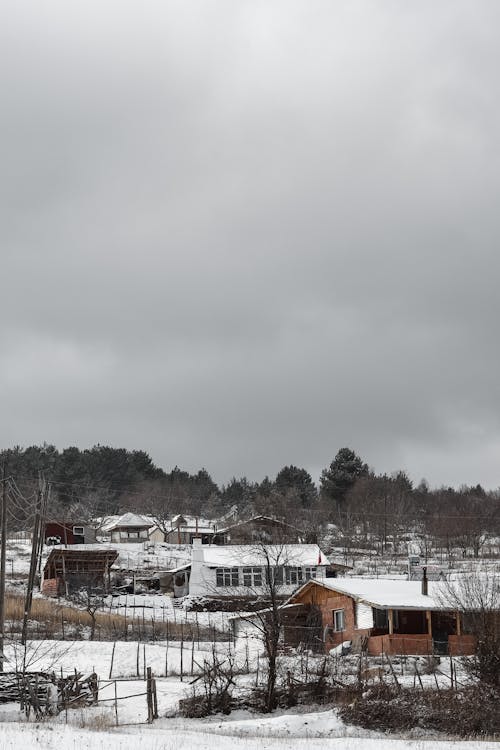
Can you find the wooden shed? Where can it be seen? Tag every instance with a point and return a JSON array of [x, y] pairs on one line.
[[67, 570]]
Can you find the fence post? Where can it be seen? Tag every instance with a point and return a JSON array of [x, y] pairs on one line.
[[155, 699], [112, 659], [149, 695], [182, 651], [116, 705]]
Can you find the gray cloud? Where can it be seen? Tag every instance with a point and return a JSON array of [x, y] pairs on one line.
[[247, 234]]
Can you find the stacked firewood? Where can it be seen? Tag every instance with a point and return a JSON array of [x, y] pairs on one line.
[[14, 685], [44, 693]]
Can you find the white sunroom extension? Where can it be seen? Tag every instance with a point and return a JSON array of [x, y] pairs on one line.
[[243, 570]]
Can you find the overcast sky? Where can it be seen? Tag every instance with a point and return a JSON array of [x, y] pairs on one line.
[[241, 234]]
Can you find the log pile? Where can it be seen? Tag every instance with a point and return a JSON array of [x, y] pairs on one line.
[[14, 685], [45, 693]]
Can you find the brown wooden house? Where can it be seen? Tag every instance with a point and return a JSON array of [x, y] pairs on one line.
[[68, 569], [383, 616], [259, 529]]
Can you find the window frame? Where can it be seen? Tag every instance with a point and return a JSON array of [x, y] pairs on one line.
[[252, 576], [294, 572], [341, 614], [227, 577]]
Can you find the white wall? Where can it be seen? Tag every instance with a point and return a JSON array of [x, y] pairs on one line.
[[364, 615], [203, 582]]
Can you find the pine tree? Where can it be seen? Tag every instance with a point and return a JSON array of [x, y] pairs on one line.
[[341, 475], [299, 481]]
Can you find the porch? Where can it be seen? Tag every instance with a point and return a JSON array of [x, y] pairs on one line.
[[419, 632]]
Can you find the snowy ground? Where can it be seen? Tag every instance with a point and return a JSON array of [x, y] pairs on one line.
[[277, 733], [95, 728], [120, 660], [161, 608]]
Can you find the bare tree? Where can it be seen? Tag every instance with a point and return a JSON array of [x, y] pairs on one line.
[[91, 600], [476, 597], [270, 588]]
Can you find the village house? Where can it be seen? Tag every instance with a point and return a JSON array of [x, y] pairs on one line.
[[130, 527], [379, 615], [241, 571], [259, 529], [68, 532], [182, 529]]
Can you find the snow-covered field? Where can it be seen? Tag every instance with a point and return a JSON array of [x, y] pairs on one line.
[[161, 609], [127, 657]]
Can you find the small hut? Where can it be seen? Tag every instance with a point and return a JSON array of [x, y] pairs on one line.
[[67, 570]]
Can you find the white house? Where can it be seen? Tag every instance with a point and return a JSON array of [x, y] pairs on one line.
[[130, 527], [236, 571]]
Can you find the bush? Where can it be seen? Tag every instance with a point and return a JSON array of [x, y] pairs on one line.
[[471, 711], [211, 692]]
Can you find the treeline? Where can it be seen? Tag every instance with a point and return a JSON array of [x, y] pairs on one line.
[[364, 507]]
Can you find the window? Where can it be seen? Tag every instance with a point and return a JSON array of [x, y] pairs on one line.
[[78, 530], [380, 619], [226, 576], [338, 620], [274, 575], [252, 576], [310, 573], [278, 575], [294, 576]]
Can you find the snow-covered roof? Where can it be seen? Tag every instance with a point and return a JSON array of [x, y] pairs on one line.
[[384, 593], [131, 519], [236, 555]]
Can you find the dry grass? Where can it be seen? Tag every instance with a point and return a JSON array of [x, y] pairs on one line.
[[50, 619], [97, 721]]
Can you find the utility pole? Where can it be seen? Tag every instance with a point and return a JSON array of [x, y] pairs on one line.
[[41, 535], [3, 547], [33, 561]]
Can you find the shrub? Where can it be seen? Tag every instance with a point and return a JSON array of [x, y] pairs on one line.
[[471, 711]]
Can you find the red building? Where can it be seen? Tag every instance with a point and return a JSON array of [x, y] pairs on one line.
[[66, 532]]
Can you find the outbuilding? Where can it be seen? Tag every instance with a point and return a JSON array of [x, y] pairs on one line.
[[70, 568]]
